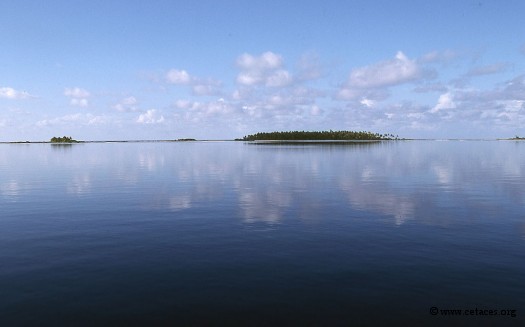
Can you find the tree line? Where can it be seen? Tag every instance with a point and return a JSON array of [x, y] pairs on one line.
[[64, 139], [318, 135]]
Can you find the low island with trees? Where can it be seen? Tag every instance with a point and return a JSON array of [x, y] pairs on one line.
[[319, 136], [63, 139]]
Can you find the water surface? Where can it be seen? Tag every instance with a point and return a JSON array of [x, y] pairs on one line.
[[250, 234]]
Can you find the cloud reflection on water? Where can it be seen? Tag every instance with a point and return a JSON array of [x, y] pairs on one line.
[[400, 181]]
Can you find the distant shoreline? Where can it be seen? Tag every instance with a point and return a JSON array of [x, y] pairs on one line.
[[257, 141], [105, 141]]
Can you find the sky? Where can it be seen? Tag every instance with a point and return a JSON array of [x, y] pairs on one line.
[[134, 70]]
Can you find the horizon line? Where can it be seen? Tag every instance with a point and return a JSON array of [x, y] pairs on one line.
[[240, 140]]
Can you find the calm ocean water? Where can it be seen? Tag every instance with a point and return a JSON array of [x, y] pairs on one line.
[[229, 233]]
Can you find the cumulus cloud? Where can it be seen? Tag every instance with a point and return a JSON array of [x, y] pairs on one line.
[[175, 76], [196, 109], [386, 73], [372, 82], [79, 97], [279, 78], [266, 69], [445, 101], [268, 96], [150, 117], [128, 104], [495, 108], [266, 61], [10, 93], [199, 86]]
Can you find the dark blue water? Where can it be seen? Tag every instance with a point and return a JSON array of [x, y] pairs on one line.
[[229, 233]]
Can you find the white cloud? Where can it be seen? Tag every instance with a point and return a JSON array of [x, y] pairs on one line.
[[268, 96], [368, 103], [279, 78], [175, 76], [198, 110], [445, 101], [199, 86], [78, 96], [265, 69], [266, 61], [76, 93], [74, 119], [248, 78], [10, 93], [79, 102], [127, 105], [150, 117], [386, 73], [97, 120], [372, 82]]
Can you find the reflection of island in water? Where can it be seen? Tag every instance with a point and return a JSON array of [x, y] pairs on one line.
[[354, 143], [61, 145]]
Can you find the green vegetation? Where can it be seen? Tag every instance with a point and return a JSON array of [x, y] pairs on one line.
[[518, 138], [64, 139], [322, 135], [186, 140]]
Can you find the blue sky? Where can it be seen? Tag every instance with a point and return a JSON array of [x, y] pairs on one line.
[[100, 70]]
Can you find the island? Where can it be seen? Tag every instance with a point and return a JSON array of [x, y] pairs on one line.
[[515, 138], [318, 135], [64, 139]]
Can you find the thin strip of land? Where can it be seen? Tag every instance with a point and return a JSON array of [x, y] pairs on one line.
[[318, 136]]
